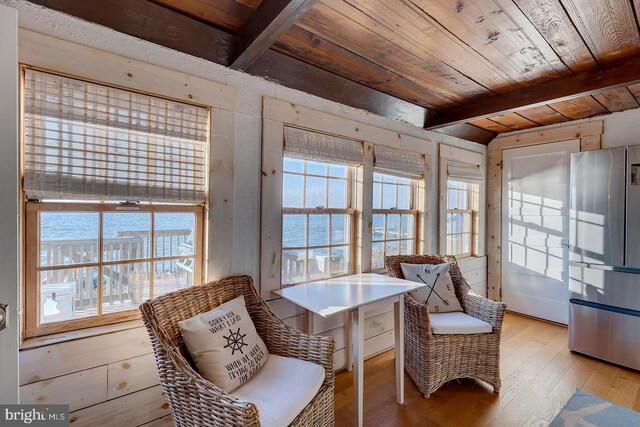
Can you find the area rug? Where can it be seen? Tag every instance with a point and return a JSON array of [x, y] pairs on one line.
[[587, 410]]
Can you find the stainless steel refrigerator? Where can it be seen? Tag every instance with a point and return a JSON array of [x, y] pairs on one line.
[[604, 262]]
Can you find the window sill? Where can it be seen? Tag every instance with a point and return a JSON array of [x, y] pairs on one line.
[[35, 342]]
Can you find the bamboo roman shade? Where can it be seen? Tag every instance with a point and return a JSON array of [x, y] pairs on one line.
[[89, 141], [464, 172], [392, 161], [321, 147]]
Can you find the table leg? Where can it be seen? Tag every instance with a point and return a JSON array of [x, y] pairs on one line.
[[357, 328], [349, 341], [310, 325], [398, 308]]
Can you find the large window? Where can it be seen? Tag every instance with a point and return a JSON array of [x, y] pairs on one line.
[[317, 220], [463, 200], [96, 263], [116, 183], [394, 218]]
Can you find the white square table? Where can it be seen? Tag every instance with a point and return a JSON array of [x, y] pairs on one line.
[[349, 294]]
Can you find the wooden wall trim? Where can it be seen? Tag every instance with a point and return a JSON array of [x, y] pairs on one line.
[[74, 59], [309, 118], [547, 135], [494, 224]]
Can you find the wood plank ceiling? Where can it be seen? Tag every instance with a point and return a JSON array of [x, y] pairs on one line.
[[471, 68]]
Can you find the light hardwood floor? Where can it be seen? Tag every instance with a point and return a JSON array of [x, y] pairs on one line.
[[539, 374]]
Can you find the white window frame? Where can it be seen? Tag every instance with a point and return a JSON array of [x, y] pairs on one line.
[[67, 58], [458, 155], [349, 210], [413, 211], [473, 212]]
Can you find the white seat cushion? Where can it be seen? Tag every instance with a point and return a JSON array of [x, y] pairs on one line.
[[457, 323], [281, 389]]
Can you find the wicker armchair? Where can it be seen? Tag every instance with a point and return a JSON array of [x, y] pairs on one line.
[[194, 401], [432, 360]]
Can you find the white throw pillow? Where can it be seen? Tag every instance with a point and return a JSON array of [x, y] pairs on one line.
[[439, 295], [224, 344]]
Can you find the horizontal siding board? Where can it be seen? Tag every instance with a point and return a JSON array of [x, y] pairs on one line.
[[472, 263], [63, 358], [131, 410], [78, 390], [131, 375]]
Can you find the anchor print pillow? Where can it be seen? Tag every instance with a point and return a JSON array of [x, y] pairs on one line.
[[224, 344], [439, 295]]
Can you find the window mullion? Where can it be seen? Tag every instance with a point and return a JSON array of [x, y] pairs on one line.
[[152, 253], [100, 255]]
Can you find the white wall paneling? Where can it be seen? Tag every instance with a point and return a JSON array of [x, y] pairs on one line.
[[9, 208]]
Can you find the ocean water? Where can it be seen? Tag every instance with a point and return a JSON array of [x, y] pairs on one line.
[[84, 226]]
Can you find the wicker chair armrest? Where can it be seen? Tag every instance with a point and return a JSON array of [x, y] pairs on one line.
[[417, 317], [284, 340], [485, 309]]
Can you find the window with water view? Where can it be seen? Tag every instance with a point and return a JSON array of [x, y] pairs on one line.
[[463, 201], [317, 220], [98, 260], [394, 218], [116, 183]]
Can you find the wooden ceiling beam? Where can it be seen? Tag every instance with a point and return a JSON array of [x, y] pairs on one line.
[[618, 74], [154, 23], [269, 21], [295, 74]]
